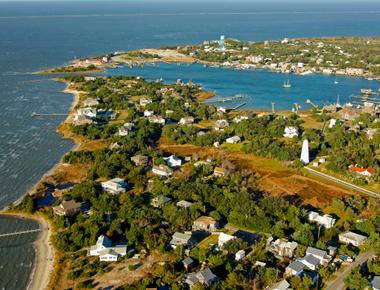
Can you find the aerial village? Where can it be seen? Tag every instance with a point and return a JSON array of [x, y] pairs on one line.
[[147, 213], [201, 218]]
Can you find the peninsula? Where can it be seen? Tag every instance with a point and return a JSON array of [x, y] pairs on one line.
[[163, 189]]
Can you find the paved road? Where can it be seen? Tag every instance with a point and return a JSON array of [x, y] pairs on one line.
[[338, 283], [347, 184]]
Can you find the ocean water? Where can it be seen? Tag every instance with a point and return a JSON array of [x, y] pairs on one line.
[[259, 88], [40, 35]]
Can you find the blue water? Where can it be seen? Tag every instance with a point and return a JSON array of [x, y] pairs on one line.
[[40, 35], [259, 87]]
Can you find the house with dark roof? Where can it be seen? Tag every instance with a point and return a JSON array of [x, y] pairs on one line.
[[180, 239], [294, 268], [160, 200], [205, 277], [188, 263], [67, 208], [311, 262]]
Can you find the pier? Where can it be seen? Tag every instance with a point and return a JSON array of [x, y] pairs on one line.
[[226, 99], [239, 106], [20, 233], [34, 114]]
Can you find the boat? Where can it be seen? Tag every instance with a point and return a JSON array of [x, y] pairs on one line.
[[287, 84], [336, 82]]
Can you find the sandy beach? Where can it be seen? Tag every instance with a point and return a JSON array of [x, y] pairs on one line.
[[44, 261]]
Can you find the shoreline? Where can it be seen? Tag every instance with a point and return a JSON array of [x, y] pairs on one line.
[[44, 259], [44, 262]]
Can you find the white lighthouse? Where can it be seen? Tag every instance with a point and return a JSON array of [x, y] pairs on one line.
[[305, 152]]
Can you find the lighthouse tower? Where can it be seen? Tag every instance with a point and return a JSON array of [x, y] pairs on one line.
[[305, 152]]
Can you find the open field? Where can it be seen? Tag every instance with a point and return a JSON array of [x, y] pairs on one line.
[[273, 176]]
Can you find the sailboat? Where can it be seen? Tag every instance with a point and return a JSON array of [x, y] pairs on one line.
[[287, 84]]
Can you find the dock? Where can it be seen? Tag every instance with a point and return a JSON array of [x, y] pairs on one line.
[[34, 114], [239, 106], [20, 233], [226, 99]]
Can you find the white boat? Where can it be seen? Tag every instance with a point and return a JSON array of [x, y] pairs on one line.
[[336, 82], [287, 84]]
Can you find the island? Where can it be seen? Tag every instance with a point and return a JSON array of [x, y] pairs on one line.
[[166, 190]]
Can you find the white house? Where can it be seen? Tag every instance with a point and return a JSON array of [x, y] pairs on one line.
[[311, 262], [156, 120], [180, 239], [145, 101], [184, 204], [115, 185], [122, 131], [282, 285], [148, 113], [173, 161], [325, 220], [352, 238], [239, 255], [332, 123], [290, 132], [316, 253], [186, 121], [106, 252], [220, 125], [238, 119], [162, 170], [224, 238], [295, 268], [233, 140]]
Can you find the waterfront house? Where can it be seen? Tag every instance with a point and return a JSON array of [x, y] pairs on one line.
[[221, 110], [90, 102], [82, 120], [115, 185], [233, 140], [67, 208], [294, 268], [282, 285], [223, 239], [180, 239], [160, 200], [290, 132], [354, 71], [205, 223], [361, 170], [186, 121], [162, 170], [106, 251], [205, 277], [173, 161], [184, 204], [352, 238], [140, 160], [325, 220], [281, 247]]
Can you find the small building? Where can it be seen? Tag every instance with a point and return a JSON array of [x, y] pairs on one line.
[[352, 238], [162, 170], [184, 204], [145, 101], [317, 253], [156, 120], [375, 283], [205, 277], [223, 239], [239, 255], [238, 119], [290, 132], [122, 131], [67, 208], [148, 113], [325, 220], [311, 262], [220, 125], [140, 160], [188, 263], [282, 285], [186, 121], [160, 200], [361, 170], [294, 268], [106, 251], [114, 146], [282, 247], [173, 161], [233, 140], [220, 172], [205, 223], [180, 239], [115, 185], [90, 102]]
